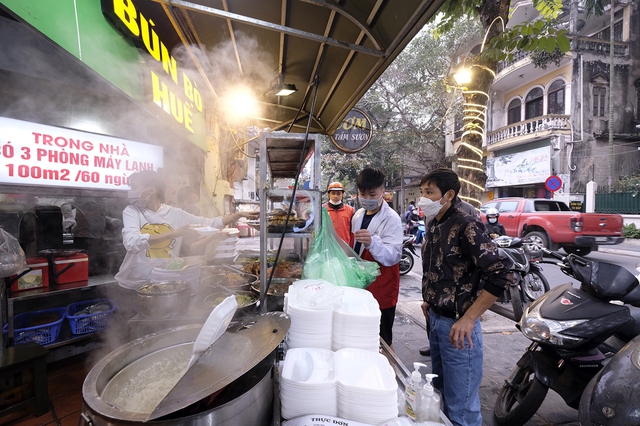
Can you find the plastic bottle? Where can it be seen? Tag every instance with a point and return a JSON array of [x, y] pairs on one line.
[[412, 389], [428, 409]]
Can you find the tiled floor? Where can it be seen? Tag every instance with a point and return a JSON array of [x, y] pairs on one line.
[[65, 380]]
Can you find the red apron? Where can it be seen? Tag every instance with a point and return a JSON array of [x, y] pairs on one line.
[[386, 287]]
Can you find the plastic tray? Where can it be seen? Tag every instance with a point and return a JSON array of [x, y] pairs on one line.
[[42, 334], [89, 323]]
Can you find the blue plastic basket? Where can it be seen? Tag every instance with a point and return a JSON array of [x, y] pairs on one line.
[[42, 334], [89, 323]]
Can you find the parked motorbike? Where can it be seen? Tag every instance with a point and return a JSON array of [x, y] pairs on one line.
[[611, 397], [408, 252], [531, 283], [574, 331]]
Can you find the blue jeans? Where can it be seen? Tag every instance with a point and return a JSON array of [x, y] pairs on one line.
[[459, 371]]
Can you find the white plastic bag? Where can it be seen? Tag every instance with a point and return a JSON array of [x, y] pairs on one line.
[[12, 258]]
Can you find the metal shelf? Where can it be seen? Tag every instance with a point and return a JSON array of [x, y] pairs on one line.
[[280, 155]]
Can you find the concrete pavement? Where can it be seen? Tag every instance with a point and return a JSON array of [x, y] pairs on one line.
[[503, 346]]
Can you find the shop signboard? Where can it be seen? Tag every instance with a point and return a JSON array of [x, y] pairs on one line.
[[520, 168], [140, 63], [354, 132], [36, 154]]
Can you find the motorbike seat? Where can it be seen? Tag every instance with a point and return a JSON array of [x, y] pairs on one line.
[[632, 328]]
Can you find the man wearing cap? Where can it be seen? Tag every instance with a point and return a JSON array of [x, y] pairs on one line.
[[340, 213]]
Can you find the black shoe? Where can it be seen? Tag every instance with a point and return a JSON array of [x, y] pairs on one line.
[[425, 351]]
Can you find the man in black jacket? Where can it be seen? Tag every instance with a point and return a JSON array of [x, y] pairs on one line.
[[463, 275]]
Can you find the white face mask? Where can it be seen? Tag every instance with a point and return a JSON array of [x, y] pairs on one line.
[[136, 200], [335, 203], [492, 219], [429, 208], [369, 203]]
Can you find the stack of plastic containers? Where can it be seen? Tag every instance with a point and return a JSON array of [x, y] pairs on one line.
[[310, 305], [354, 384], [367, 387], [308, 383], [356, 323]]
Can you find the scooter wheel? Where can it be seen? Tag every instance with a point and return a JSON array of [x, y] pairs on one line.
[[406, 263], [520, 398], [516, 301]]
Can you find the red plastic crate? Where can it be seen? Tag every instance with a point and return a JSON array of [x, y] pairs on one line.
[[38, 277], [78, 272]]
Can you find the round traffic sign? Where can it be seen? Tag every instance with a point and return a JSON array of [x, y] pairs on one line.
[[553, 183]]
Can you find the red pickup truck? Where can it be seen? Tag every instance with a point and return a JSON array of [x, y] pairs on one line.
[[552, 224]]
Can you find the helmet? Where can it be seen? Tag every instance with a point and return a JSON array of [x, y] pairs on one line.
[[335, 186], [493, 212]]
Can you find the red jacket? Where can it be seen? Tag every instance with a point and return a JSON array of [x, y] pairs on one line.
[[341, 220]]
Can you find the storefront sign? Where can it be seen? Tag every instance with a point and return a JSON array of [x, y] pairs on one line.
[[35, 154], [520, 168], [171, 88], [354, 132]]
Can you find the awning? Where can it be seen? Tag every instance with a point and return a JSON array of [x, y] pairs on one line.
[[346, 44]]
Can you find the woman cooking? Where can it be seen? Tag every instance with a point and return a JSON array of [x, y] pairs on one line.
[[153, 231]]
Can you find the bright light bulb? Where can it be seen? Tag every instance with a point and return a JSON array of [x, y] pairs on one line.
[[240, 101], [463, 76]]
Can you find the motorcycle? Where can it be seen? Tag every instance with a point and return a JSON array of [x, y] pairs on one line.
[[408, 252], [531, 283], [611, 397], [574, 332]]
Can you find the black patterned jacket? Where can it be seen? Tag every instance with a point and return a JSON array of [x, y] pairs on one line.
[[459, 259]]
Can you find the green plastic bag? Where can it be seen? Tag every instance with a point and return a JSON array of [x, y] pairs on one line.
[[332, 259]]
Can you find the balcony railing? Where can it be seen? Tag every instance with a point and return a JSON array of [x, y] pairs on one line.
[[599, 47], [579, 44], [529, 127], [517, 56]]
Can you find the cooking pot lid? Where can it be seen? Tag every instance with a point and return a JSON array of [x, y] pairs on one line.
[[232, 355]]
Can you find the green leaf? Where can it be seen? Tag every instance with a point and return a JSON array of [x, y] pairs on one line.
[[563, 43], [550, 45]]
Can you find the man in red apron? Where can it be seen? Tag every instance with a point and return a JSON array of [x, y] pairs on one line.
[[377, 236]]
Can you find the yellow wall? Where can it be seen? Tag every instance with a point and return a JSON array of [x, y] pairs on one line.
[[544, 80]]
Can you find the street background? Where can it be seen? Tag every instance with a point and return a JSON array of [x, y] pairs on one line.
[[503, 343]]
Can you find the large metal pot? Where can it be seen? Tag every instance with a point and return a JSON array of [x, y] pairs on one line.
[[243, 399], [164, 299]]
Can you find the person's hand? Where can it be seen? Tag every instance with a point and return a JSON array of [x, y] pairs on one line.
[[460, 330], [249, 215], [68, 224], [186, 231], [363, 236], [494, 235], [425, 310]]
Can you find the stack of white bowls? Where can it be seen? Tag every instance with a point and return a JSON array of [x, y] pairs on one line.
[[356, 323], [367, 387], [189, 273], [310, 306], [308, 383]]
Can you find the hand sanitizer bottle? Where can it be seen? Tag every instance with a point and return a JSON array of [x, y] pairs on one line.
[[412, 388], [428, 409]]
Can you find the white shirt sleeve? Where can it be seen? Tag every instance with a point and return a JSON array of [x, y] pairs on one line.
[[132, 239]]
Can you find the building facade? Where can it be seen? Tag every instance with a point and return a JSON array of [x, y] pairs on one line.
[[549, 114]]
